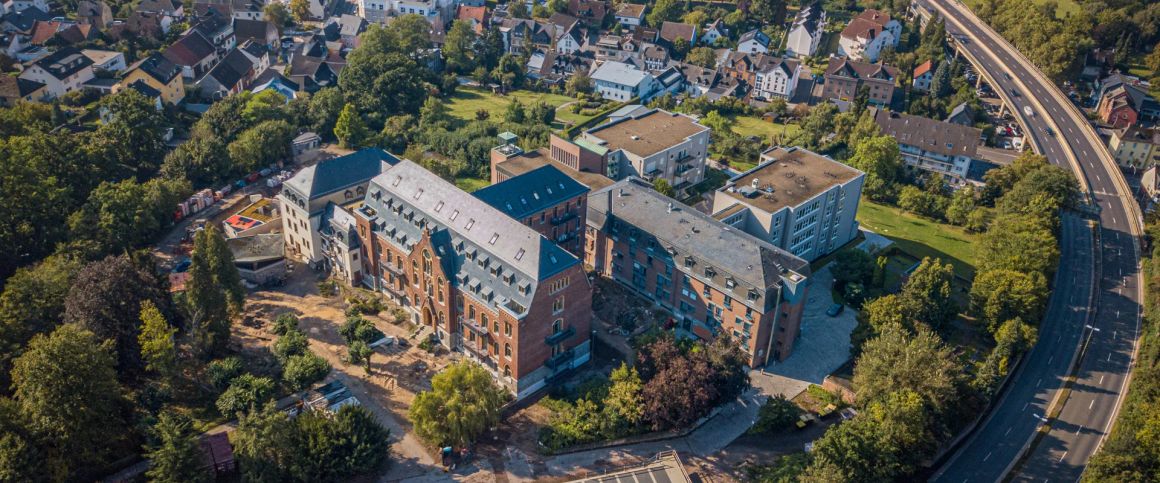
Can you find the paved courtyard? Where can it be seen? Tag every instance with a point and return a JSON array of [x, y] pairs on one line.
[[824, 344]]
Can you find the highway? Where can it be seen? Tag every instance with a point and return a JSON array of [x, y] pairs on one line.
[[1113, 309]]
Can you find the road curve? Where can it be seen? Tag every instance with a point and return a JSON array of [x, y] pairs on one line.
[[1113, 308]]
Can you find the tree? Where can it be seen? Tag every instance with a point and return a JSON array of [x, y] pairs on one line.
[[263, 443], [221, 372], [158, 346], [702, 56], [920, 202], [107, 298], [214, 291], [33, 205], [350, 129], [302, 370], [518, 10], [624, 402], [285, 323], [663, 187], [775, 415], [384, 83], [515, 112], [880, 158], [434, 115], [459, 47], [853, 265], [896, 361], [201, 160], [1019, 243], [940, 85], [291, 343], [463, 402], [278, 14], [662, 11], [132, 137], [816, 125], [176, 456], [769, 12], [246, 392], [21, 459], [1000, 295], [262, 145], [66, 389], [32, 303], [360, 354], [579, 83], [962, 204], [680, 48], [122, 216], [300, 9], [929, 289], [332, 448]]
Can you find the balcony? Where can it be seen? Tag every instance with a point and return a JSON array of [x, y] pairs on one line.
[[566, 217], [480, 353], [559, 359], [474, 326], [559, 337]]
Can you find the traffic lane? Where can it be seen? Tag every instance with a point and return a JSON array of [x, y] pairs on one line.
[[1085, 419], [1013, 421]]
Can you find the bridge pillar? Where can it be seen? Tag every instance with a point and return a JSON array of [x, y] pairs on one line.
[[979, 81], [1002, 108]]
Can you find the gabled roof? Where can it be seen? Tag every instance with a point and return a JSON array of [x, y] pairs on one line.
[[928, 134], [876, 17], [145, 90], [843, 67], [190, 49], [159, 6], [671, 31], [755, 35], [258, 30], [532, 192], [24, 20], [860, 28], [64, 62], [232, 69], [809, 16], [12, 87], [339, 173], [619, 73], [630, 10], [923, 68]]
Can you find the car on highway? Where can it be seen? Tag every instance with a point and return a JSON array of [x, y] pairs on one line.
[[1047, 130], [1014, 92], [1007, 76], [1027, 110]]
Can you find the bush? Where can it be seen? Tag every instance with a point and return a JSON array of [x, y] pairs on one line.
[[327, 288], [303, 370], [285, 323], [245, 392], [776, 415], [357, 328], [220, 372], [291, 344]]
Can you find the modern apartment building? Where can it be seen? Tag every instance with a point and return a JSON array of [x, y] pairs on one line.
[[927, 144], [797, 200], [655, 144], [715, 279], [483, 282], [580, 160], [867, 34], [546, 200]]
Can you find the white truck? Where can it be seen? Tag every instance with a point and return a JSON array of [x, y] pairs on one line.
[[1027, 110]]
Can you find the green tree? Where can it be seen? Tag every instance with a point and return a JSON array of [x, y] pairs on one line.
[[663, 187], [21, 459], [291, 343], [1000, 295], [896, 361], [360, 354], [662, 11], [300, 9], [325, 107], [201, 160], [963, 202], [459, 47], [350, 129], [332, 448], [921, 203], [515, 112], [880, 158], [940, 84], [176, 456], [158, 345], [262, 145], [263, 443], [771, 12], [463, 402], [853, 265], [221, 372], [775, 415], [816, 125], [702, 56], [929, 288], [434, 115], [67, 391], [245, 393], [624, 402], [384, 83], [32, 303], [302, 370], [1019, 243], [214, 291], [278, 14], [132, 137], [122, 216]]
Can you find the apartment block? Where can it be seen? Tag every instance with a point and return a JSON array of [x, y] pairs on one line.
[[655, 144], [939, 147], [795, 199], [484, 283], [844, 77], [715, 279], [546, 200]]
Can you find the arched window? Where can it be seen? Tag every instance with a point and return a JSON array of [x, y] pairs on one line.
[[348, 194], [426, 262], [442, 318], [507, 371], [414, 272], [507, 350], [484, 318], [439, 287]]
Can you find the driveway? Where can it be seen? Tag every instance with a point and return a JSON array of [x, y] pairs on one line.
[[823, 346]]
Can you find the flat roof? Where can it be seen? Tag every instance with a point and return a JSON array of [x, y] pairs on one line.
[[533, 160], [789, 177], [648, 133]]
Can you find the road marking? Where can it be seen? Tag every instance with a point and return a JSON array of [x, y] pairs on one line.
[[1093, 403], [1062, 457], [1077, 430], [1040, 382], [1109, 357], [1101, 379], [1049, 359], [1025, 406], [985, 458], [1008, 432]]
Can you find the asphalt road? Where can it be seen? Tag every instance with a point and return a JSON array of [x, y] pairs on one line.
[[1105, 362]]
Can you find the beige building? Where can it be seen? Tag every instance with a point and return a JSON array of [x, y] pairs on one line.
[[655, 145], [1135, 147]]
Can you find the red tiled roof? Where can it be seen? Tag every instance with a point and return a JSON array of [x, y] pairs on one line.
[[922, 69]]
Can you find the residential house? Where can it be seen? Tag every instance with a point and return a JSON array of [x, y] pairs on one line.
[[655, 57], [374, 11], [671, 31], [923, 75], [171, 9], [261, 32], [716, 280], [235, 9], [312, 73], [553, 68], [194, 53], [546, 200], [259, 55], [62, 32], [655, 145], [106, 60], [145, 25], [160, 74], [344, 29], [22, 5], [216, 27], [61, 72], [930, 145], [270, 79], [753, 42], [795, 199], [770, 77], [1150, 183], [524, 36], [715, 30], [805, 34], [867, 34], [14, 89], [568, 33], [22, 21], [1135, 147], [1127, 105], [618, 81], [476, 17], [94, 12], [619, 48], [630, 14], [590, 12], [962, 115], [230, 76], [844, 78], [142, 88], [484, 283]]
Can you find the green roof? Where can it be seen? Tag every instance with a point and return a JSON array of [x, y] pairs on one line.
[[591, 146]]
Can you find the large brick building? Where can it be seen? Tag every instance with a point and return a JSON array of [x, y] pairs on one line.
[[714, 278], [546, 200], [485, 283]]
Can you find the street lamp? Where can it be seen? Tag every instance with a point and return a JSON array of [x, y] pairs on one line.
[[1087, 341]]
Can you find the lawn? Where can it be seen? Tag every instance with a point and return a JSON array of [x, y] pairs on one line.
[[920, 237], [467, 101], [755, 126], [470, 184]]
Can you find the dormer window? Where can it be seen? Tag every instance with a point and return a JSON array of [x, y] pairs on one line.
[[710, 272], [689, 262], [730, 283]]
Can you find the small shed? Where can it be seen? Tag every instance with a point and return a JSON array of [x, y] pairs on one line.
[[218, 454], [306, 141]]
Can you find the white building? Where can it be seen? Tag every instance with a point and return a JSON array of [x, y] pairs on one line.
[[630, 14], [797, 200], [61, 72], [655, 144], [106, 60], [923, 76], [753, 42], [806, 33], [867, 34], [714, 31], [930, 145], [775, 77], [618, 81]]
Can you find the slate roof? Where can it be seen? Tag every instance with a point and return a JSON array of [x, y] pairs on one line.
[[756, 35], [158, 67], [340, 173], [24, 20], [232, 69], [64, 62], [682, 232], [149, 92], [928, 134], [257, 30], [159, 6], [808, 16], [841, 66], [531, 192], [407, 199]]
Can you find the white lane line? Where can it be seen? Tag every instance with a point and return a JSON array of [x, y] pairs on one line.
[[1101, 379], [1093, 403], [1109, 357], [985, 458], [1008, 432], [1049, 359], [1040, 382], [1077, 430], [1026, 404], [1062, 457]]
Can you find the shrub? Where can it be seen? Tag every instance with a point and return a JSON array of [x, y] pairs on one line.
[[777, 414], [327, 288], [285, 323], [291, 344], [304, 369], [357, 328], [220, 372], [245, 392]]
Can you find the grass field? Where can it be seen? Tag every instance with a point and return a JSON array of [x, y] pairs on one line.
[[470, 184], [920, 237], [755, 126], [467, 101]]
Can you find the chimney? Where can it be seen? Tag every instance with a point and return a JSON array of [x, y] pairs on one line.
[[754, 183], [670, 207]]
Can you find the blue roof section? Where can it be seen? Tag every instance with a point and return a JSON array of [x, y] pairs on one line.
[[339, 173], [531, 192]]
